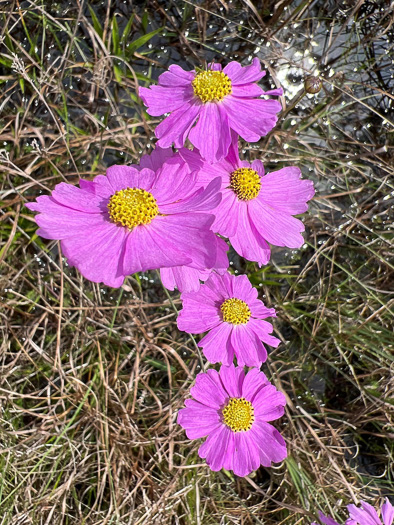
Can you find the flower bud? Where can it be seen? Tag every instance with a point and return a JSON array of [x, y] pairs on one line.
[[312, 84]]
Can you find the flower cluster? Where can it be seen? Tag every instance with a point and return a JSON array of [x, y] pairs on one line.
[[173, 212]]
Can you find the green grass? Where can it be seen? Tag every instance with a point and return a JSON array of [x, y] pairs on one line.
[[92, 378]]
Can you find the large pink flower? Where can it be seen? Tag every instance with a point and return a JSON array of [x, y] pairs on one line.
[[256, 209], [220, 101], [130, 221], [227, 307], [233, 410]]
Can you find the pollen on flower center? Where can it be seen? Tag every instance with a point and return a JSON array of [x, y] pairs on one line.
[[132, 206], [211, 85], [238, 414], [245, 183], [235, 311]]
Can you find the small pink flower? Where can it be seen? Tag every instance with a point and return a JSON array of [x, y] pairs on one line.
[[130, 221], [256, 208], [227, 308], [233, 410], [220, 101]]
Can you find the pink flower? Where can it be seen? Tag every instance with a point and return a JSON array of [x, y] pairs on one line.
[[219, 100], [256, 209], [233, 410], [130, 221], [187, 279], [227, 307], [366, 515]]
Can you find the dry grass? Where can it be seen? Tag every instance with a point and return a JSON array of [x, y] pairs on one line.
[[91, 378]]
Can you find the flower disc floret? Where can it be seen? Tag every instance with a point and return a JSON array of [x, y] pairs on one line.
[[235, 311], [245, 183], [132, 207], [238, 414], [211, 85]]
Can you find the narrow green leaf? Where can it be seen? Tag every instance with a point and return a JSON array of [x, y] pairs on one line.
[[96, 23], [127, 29], [143, 40], [115, 36]]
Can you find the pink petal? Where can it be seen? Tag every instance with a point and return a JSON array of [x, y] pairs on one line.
[[254, 381], [327, 519], [201, 200], [176, 76], [186, 279], [218, 288], [232, 378], [259, 309], [208, 390], [157, 158], [269, 403], [263, 329], [226, 214], [243, 289], [284, 191], [215, 344], [217, 447], [98, 256], [148, 248], [221, 264], [211, 134], [247, 91], [271, 444], [198, 420], [160, 100], [59, 222], [121, 177], [195, 318], [276, 227], [258, 166], [76, 198], [251, 118], [190, 233], [248, 349], [174, 182], [102, 187], [246, 454], [367, 515], [214, 66], [387, 513], [244, 75], [247, 240], [193, 159], [174, 128]]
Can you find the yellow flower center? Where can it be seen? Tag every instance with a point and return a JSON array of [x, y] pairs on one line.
[[245, 183], [132, 206], [238, 414], [211, 85], [235, 311]]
